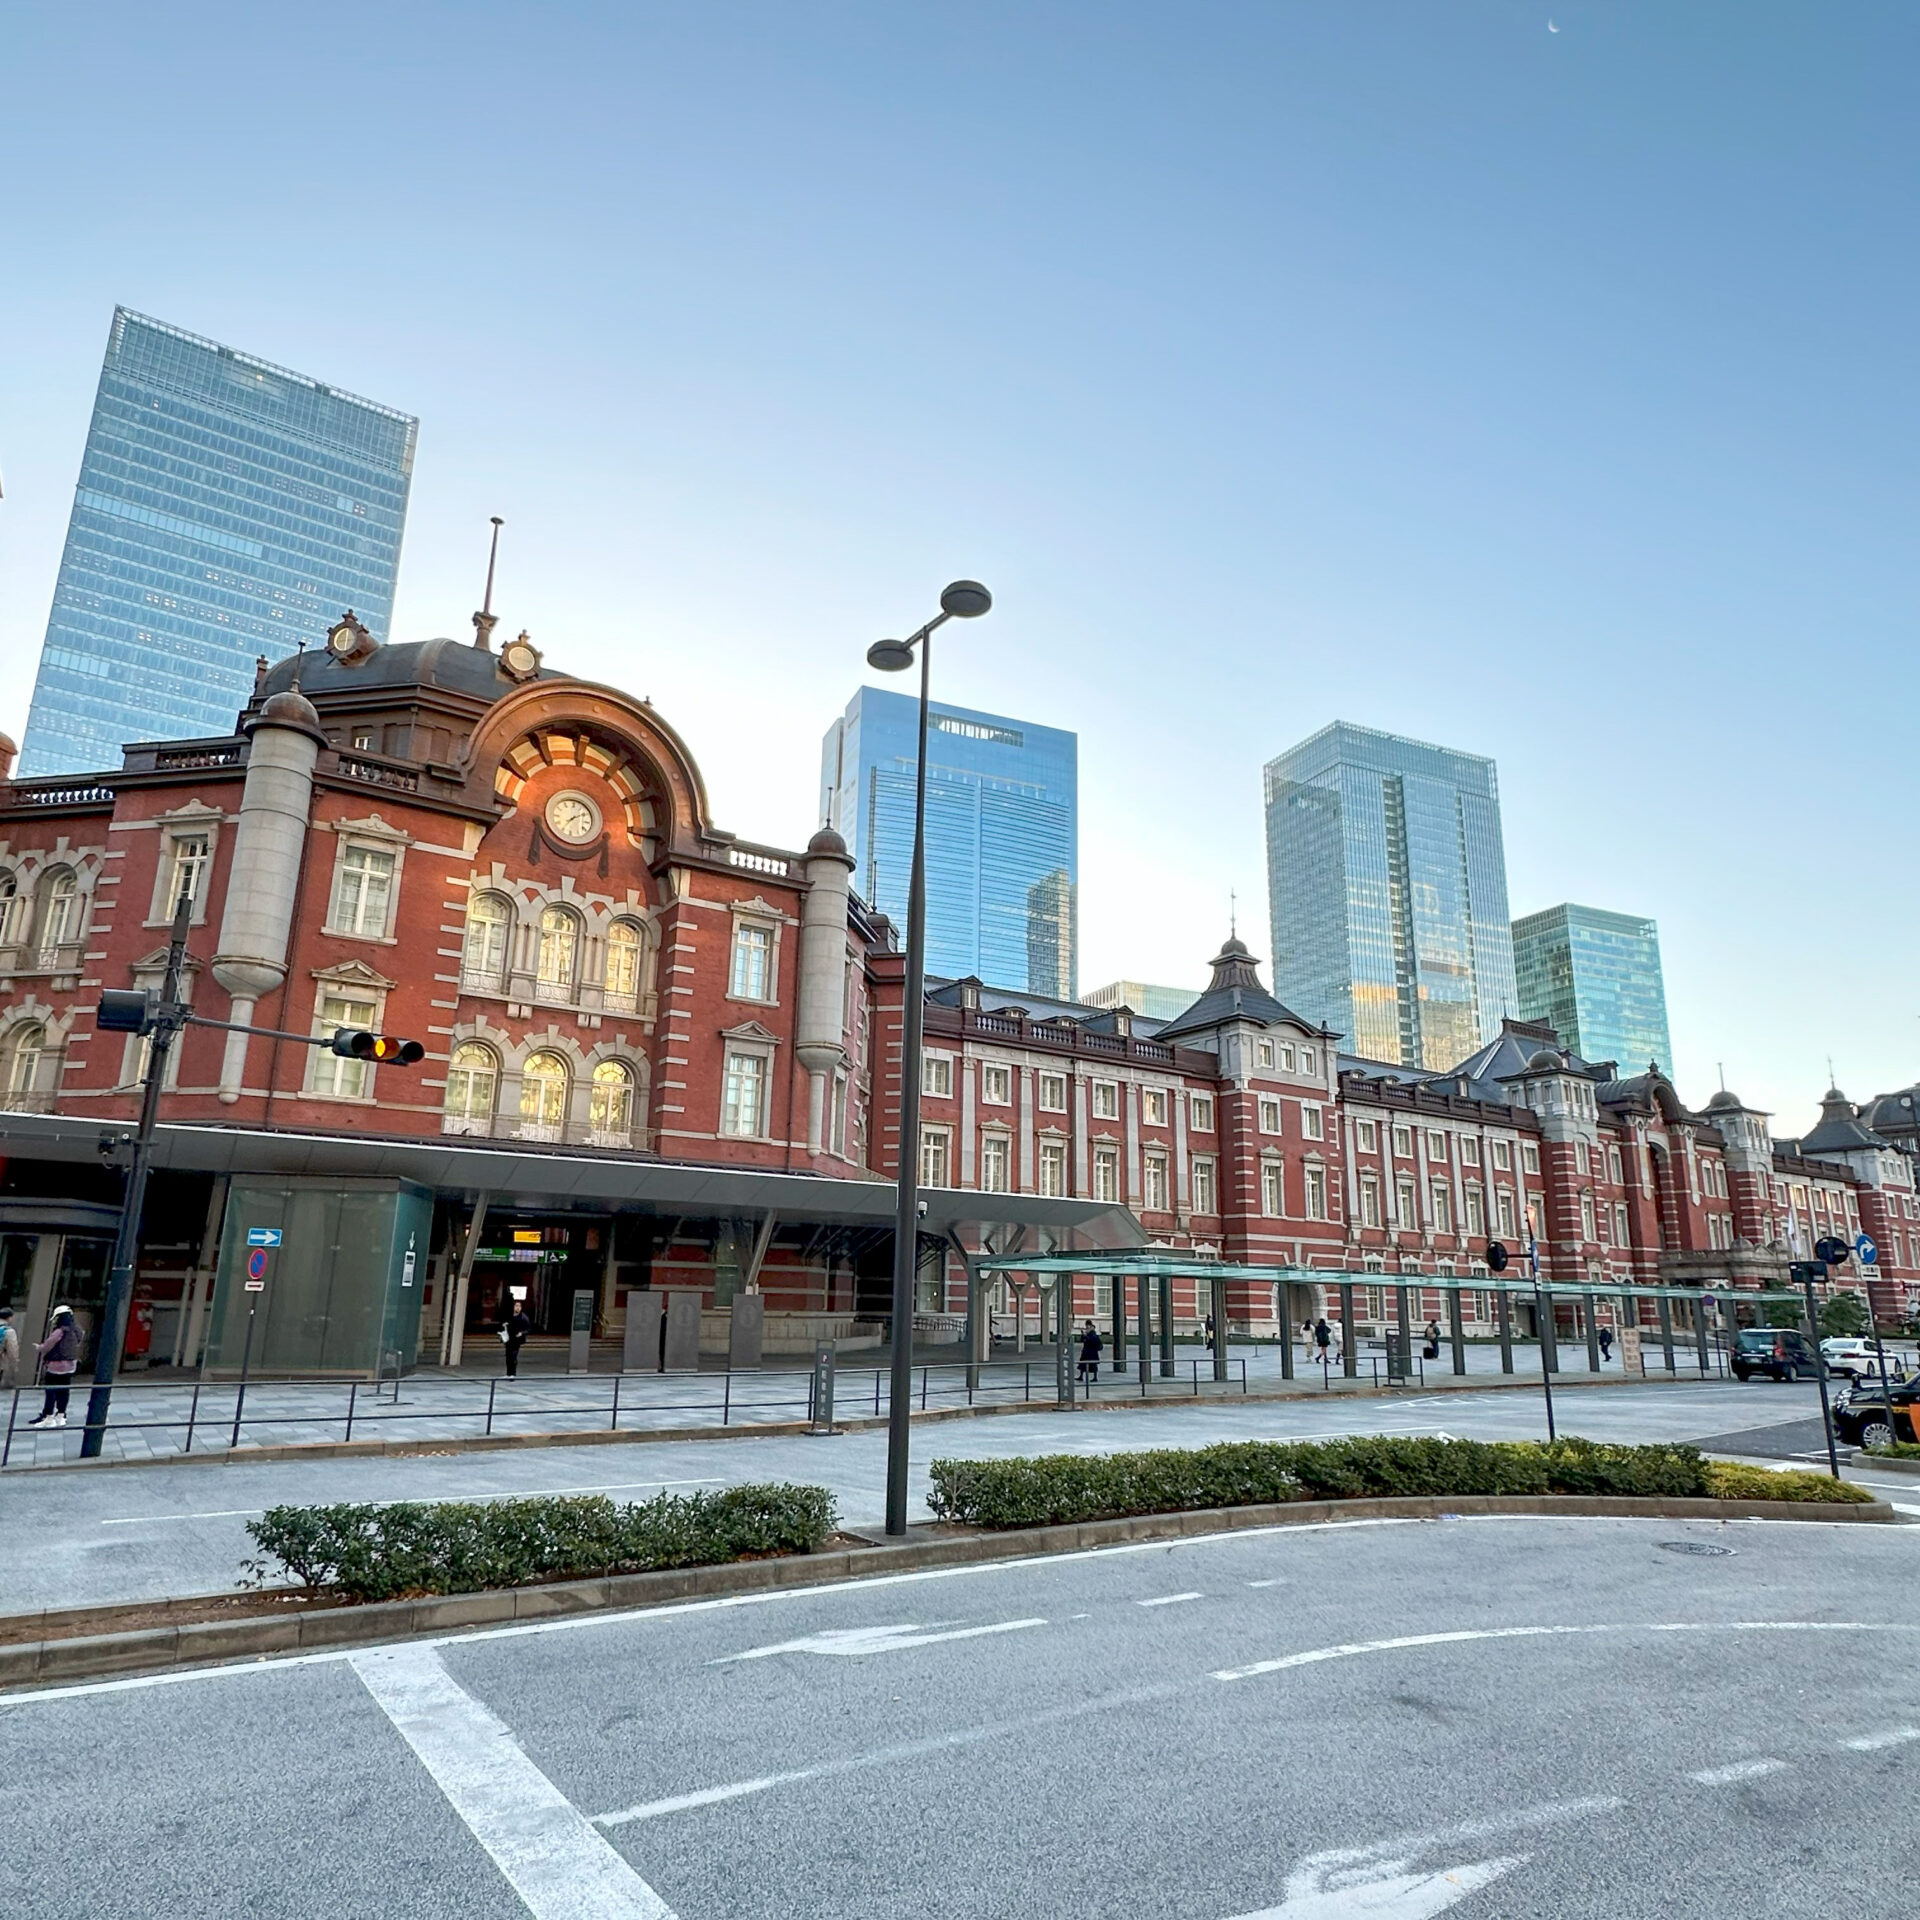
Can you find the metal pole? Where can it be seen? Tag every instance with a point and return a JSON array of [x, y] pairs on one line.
[[126, 1245], [1283, 1314], [1820, 1372], [1549, 1332], [1063, 1339], [1457, 1329], [906, 1218], [1165, 1306], [1506, 1331], [1145, 1313], [1217, 1300], [1541, 1314], [1666, 1330], [1593, 1336], [1119, 1306], [1349, 1354], [246, 1356]]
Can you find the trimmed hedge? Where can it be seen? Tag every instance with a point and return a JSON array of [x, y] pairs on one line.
[[1896, 1450], [1059, 1489], [387, 1552], [1729, 1480]]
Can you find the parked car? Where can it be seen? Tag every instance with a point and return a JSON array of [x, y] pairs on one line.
[[1863, 1419], [1860, 1359], [1780, 1353]]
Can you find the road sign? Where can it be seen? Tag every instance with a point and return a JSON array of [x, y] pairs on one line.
[[256, 1268], [1868, 1253], [1707, 1300], [263, 1236]]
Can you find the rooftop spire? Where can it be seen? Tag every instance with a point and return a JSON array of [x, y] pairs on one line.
[[485, 620]]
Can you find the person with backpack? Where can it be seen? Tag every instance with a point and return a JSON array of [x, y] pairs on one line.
[[1090, 1346], [9, 1351], [1432, 1349], [59, 1357]]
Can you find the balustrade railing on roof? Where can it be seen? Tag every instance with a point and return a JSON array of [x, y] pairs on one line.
[[62, 796], [193, 759], [755, 862], [375, 775]]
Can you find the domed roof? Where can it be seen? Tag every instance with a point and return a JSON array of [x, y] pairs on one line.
[[289, 708], [827, 841], [1723, 1100], [457, 665], [1546, 1061]]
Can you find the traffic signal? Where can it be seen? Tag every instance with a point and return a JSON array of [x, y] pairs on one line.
[[126, 1010], [1835, 1253], [356, 1043], [1496, 1257]]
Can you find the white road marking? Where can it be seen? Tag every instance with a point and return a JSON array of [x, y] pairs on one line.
[[1266, 1583], [435, 1500], [546, 1849], [1874, 1742], [1737, 1770], [1349, 1650], [858, 1642], [1168, 1600]]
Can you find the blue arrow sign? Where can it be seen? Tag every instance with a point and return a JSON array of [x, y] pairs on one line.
[[1864, 1250], [263, 1236]]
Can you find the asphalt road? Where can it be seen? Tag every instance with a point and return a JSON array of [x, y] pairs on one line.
[[89, 1537], [1500, 1717]]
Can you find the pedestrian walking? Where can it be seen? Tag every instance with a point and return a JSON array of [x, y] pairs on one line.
[[9, 1351], [59, 1357], [1209, 1333], [1432, 1348], [1090, 1345], [513, 1335], [1322, 1340], [1606, 1344]]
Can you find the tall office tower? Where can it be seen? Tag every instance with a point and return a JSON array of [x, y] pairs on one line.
[[1387, 886], [1002, 834], [1595, 978], [1155, 1003], [226, 509]]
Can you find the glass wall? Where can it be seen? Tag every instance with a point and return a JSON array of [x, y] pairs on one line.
[[1595, 978], [226, 508]]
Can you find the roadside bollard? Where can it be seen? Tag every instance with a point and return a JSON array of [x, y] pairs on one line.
[[823, 1362]]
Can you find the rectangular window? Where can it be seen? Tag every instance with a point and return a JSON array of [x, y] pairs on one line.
[[1580, 1157], [1053, 1169], [1586, 1216], [1306, 1060], [1316, 1193], [743, 1100], [1442, 1200], [1286, 1059], [1403, 1143], [752, 971], [1620, 1226], [1369, 1201], [1376, 1300], [1469, 1150], [1436, 1145], [996, 1085], [1366, 1135], [1266, 1053], [1476, 1211], [1203, 1194], [1310, 1123], [837, 1135], [364, 890], [1200, 1113], [936, 1075], [1153, 1172], [1106, 1173], [1503, 1209], [933, 1156], [186, 871], [1052, 1090], [1272, 1193], [1613, 1165], [1530, 1156], [1106, 1100], [1153, 1106], [996, 1163], [1503, 1154], [331, 1072], [1269, 1115], [1409, 1207]]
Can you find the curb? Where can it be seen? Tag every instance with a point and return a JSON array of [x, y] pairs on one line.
[[786, 1429], [1884, 1463], [105, 1651]]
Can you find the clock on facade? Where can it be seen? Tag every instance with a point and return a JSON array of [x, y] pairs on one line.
[[572, 817], [349, 640], [521, 658]]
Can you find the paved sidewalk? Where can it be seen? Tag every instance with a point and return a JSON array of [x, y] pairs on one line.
[[161, 1418], [82, 1539]]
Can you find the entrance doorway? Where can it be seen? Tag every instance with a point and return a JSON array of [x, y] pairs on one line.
[[551, 1256]]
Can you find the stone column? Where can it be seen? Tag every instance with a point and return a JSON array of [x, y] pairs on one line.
[[819, 1042]]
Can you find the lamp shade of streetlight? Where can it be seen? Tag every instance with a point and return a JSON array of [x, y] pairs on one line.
[[890, 656], [965, 600]]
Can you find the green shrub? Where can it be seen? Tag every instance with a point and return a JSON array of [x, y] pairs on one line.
[[1897, 1450], [1728, 1480], [382, 1552], [1060, 1489]]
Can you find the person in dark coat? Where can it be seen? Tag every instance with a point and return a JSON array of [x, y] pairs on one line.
[[514, 1334], [1322, 1341], [1433, 1340], [1606, 1343], [1090, 1345]]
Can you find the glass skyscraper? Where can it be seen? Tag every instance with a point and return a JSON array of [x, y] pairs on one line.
[[1594, 977], [1387, 886], [1002, 834], [226, 508]]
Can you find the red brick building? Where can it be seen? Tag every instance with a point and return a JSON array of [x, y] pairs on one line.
[[621, 1001]]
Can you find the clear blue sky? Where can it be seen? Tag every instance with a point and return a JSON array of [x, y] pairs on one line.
[[1548, 394]]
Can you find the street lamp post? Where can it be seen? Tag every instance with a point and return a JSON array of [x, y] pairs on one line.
[[963, 600]]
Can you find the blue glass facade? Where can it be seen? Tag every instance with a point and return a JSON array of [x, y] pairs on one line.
[[226, 509], [1002, 834], [1595, 978], [1387, 886]]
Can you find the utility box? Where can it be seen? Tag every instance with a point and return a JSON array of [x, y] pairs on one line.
[[340, 1294]]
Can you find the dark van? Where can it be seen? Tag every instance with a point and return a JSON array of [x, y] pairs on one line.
[[1780, 1353]]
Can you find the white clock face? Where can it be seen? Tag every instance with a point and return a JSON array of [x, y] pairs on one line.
[[572, 818]]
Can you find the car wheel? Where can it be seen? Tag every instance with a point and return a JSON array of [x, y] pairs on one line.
[[1876, 1432]]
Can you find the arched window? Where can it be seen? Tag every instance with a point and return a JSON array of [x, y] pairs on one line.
[[472, 1074], [610, 1112], [59, 914], [623, 965], [483, 961], [11, 903], [22, 1064], [543, 1097], [559, 953]]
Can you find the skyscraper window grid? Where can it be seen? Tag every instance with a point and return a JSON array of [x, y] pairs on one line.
[[226, 508], [1387, 892], [1595, 978]]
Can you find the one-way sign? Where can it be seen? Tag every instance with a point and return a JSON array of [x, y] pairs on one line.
[[263, 1236]]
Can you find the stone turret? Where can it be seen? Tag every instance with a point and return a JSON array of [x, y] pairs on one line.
[[269, 847], [821, 1025]]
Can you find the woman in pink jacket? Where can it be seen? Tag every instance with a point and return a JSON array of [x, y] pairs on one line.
[[59, 1357]]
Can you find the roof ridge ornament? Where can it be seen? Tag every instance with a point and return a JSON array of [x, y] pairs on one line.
[[486, 619]]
